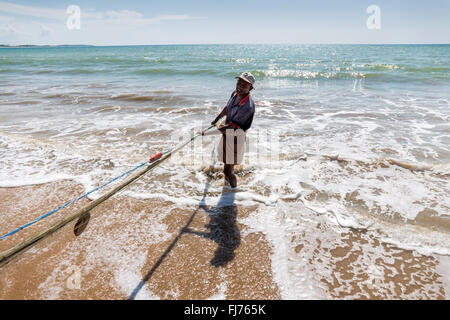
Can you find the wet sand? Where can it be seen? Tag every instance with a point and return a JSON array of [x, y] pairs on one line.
[[152, 249]]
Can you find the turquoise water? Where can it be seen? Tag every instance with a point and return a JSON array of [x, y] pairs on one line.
[[194, 74], [398, 63], [362, 131]]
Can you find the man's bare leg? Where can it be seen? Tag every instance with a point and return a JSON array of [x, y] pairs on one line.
[[228, 171]]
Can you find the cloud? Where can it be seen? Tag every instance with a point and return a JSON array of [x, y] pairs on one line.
[[36, 25], [139, 17], [32, 11], [173, 17], [128, 17], [46, 13], [124, 14], [161, 18]]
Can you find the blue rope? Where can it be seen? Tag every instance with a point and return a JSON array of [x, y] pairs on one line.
[[72, 201], [81, 197]]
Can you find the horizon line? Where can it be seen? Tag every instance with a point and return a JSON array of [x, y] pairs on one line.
[[213, 43]]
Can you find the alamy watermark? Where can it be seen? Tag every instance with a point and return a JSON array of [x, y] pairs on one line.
[[375, 277], [74, 20], [74, 280], [256, 147], [374, 20]]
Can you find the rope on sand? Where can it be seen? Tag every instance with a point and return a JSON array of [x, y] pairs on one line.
[[154, 161], [70, 202]]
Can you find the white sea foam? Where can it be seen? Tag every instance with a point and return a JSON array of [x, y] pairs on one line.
[[293, 276], [443, 269], [6, 182], [373, 185], [357, 187], [122, 254]]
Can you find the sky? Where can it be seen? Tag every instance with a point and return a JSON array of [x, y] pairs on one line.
[[131, 22]]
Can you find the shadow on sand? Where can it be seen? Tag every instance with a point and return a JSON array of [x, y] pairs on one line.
[[222, 230]]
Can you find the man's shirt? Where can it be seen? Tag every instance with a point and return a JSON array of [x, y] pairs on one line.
[[240, 115]]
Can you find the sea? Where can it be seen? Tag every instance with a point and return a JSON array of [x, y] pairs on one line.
[[349, 148]]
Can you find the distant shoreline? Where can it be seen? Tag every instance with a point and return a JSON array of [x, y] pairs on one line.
[[44, 46], [200, 44]]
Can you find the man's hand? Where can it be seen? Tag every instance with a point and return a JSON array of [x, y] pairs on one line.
[[223, 127], [222, 124]]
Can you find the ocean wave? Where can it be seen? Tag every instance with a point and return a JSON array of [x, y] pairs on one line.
[[7, 93], [156, 60], [411, 166], [307, 74], [385, 72], [408, 69], [45, 71], [384, 67], [84, 71], [233, 60], [426, 69], [25, 102], [167, 71], [163, 99], [156, 98]]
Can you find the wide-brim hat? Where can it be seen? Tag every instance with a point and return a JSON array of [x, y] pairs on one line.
[[247, 77]]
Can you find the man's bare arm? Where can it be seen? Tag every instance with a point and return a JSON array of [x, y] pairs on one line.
[[222, 114]]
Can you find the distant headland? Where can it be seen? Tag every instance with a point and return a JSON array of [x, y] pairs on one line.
[[43, 46]]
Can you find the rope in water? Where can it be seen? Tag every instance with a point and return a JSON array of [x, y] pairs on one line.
[[154, 161], [153, 158], [70, 202]]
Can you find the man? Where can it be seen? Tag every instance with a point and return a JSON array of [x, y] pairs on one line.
[[239, 112]]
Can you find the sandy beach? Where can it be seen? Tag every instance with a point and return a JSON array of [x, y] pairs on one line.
[[132, 249]]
